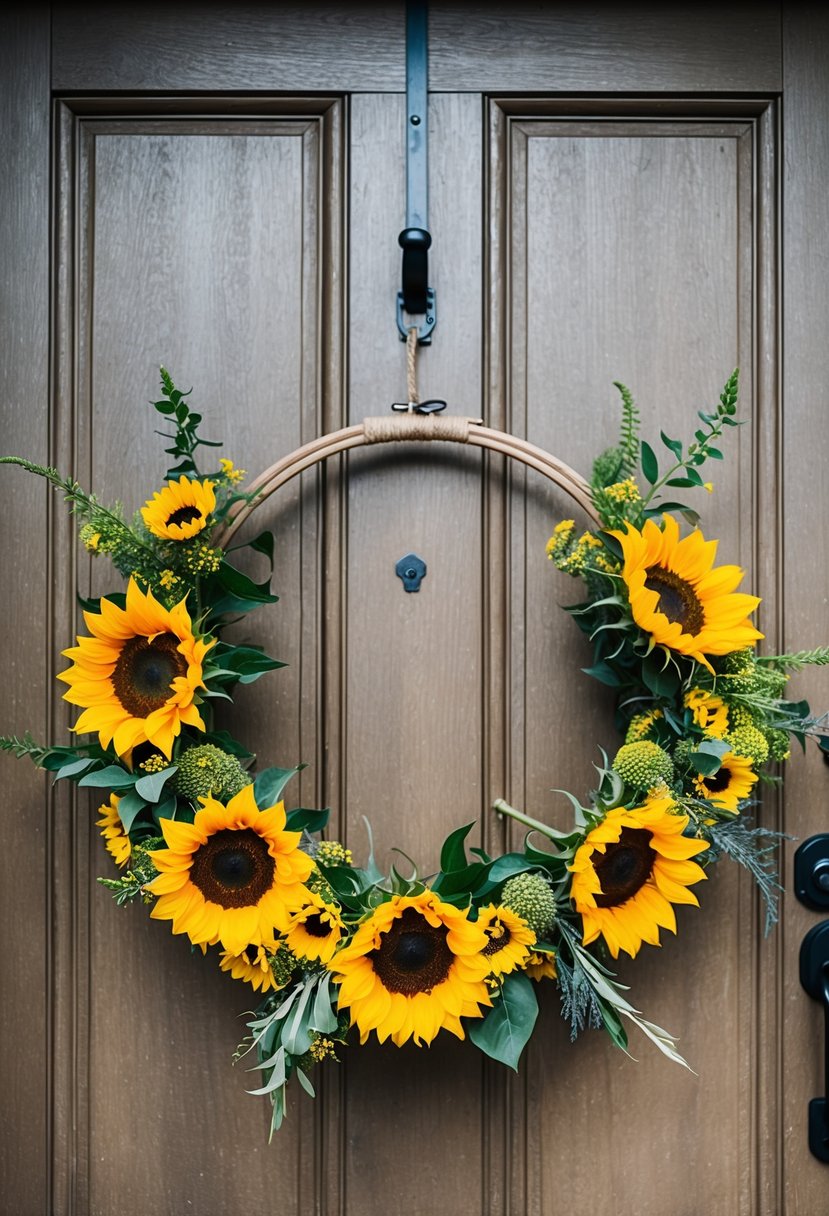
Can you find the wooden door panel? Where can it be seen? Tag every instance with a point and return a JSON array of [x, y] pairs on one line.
[[627, 253], [603, 205], [207, 245]]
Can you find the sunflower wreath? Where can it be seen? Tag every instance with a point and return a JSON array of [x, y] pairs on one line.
[[204, 838]]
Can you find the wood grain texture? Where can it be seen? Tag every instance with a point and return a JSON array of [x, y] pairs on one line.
[[606, 47], [412, 663], [805, 556], [25, 1125], [214, 47], [204, 250], [597, 215]]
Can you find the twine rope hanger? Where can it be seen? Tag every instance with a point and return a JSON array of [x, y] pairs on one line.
[[418, 421], [408, 427]]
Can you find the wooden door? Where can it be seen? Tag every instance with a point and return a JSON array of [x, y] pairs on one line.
[[617, 192]]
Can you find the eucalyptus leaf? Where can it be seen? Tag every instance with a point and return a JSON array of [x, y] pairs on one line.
[[296, 1033], [151, 786], [112, 777], [73, 769], [129, 808], [323, 1017], [304, 1081], [277, 1078]]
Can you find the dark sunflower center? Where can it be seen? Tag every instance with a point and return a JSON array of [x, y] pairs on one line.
[[145, 671], [625, 867], [499, 937], [316, 926], [184, 515], [233, 869], [413, 955], [677, 599], [719, 782]]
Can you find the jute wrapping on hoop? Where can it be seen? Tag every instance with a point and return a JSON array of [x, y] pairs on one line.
[[409, 427]]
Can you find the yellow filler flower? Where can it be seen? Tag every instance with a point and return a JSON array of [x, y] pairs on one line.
[[180, 510], [230, 875], [136, 677], [414, 967], [630, 871], [679, 597]]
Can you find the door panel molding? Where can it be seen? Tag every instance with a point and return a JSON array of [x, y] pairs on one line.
[[562, 214], [149, 202]]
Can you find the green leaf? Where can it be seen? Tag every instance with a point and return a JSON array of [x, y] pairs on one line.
[[296, 1033], [112, 777], [263, 543], [613, 1024], [660, 675], [708, 756], [323, 1017], [270, 783], [129, 808], [650, 465], [150, 787], [673, 444], [72, 770], [604, 674], [167, 810], [504, 1032], [453, 853], [227, 743], [304, 819], [241, 594], [304, 1080]]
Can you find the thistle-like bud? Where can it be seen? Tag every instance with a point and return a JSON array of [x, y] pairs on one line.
[[530, 896], [207, 770], [644, 765]]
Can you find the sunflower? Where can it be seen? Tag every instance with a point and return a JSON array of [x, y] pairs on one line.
[[137, 676], [730, 784], [709, 712], [229, 875], [252, 965], [629, 872], [679, 598], [313, 931], [510, 939], [112, 829], [180, 510], [541, 967], [414, 966]]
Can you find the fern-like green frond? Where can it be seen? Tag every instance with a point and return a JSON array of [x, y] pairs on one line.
[[629, 432]]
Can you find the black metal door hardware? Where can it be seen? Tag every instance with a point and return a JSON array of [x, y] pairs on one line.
[[411, 569], [417, 298], [811, 872], [814, 976]]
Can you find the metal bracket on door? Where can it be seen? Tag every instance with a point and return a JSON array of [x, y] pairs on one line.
[[417, 298]]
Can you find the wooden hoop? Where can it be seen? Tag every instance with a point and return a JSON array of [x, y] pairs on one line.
[[408, 427]]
